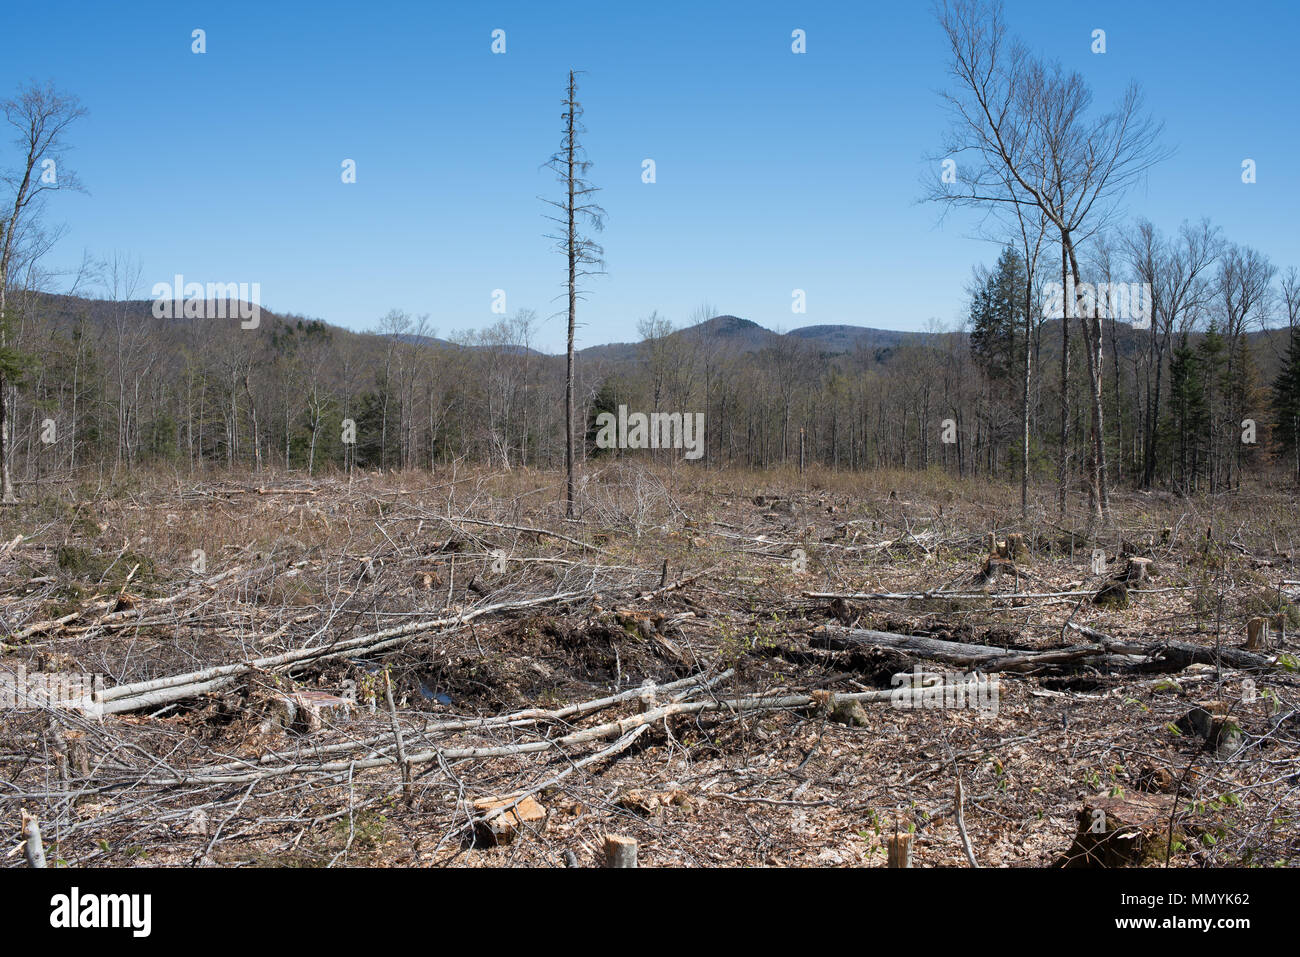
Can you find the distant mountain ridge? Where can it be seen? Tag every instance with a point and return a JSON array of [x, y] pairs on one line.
[[736, 335], [730, 333], [727, 334]]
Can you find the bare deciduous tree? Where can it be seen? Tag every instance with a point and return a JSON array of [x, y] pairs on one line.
[[1175, 272], [40, 116], [1022, 135]]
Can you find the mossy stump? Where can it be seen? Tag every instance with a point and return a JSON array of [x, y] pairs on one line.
[[1114, 594], [1128, 830]]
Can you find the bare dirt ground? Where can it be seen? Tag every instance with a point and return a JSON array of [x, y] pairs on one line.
[[517, 646]]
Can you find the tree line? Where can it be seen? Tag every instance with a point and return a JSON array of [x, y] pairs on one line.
[[125, 390]]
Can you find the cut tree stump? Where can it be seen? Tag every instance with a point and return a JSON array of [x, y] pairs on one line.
[[1139, 570], [1012, 548], [1156, 779], [900, 850], [1125, 831], [1200, 720], [33, 849], [1114, 594], [850, 713], [1016, 550], [646, 699], [312, 706], [1257, 635], [993, 569], [1212, 720], [503, 828], [845, 612], [302, 710], [620, 851]]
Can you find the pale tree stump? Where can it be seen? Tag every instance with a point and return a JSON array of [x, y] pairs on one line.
[[34, 850], [620, 851], [303, 710], [900, 850], [646, 699]]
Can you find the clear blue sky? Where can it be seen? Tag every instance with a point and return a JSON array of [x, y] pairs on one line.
[[775, 171]]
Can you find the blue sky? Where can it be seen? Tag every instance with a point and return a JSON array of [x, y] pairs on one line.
[[775, 171]]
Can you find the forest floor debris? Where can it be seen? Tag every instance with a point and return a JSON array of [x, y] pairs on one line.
[[414, 670]]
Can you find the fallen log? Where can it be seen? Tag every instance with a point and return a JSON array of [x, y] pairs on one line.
[[1179, 654], [939, 595], [984, 657], [971, 596], [1104, 650]]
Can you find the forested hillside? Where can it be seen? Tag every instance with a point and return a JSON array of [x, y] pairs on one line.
[[124, 388]]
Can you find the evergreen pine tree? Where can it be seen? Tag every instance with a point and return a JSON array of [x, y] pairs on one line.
[[1185, 414], [997, 308], [1286, 402]]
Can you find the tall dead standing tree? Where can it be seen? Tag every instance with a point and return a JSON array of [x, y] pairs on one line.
[[570, 164], [40, 116]]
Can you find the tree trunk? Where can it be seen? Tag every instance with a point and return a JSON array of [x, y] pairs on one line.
[[1095, 344], [1024, 405], [1063, 464], [570, 508], [7, 495]]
